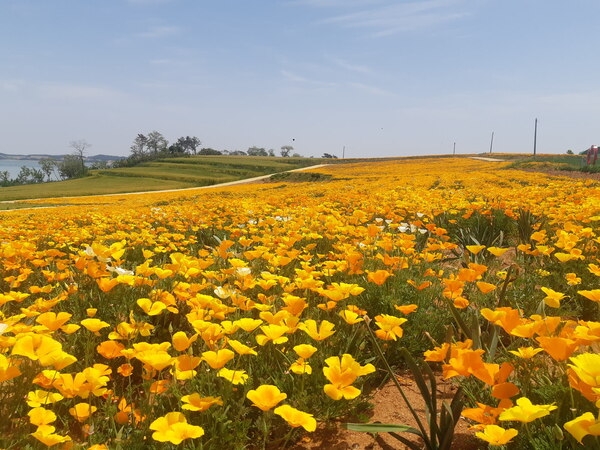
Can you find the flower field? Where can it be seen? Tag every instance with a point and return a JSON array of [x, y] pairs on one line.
[[238, 317]]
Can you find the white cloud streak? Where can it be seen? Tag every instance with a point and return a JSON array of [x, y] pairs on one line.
[[395, 18]]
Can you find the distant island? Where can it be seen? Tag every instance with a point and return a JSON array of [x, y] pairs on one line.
[[37, 157]]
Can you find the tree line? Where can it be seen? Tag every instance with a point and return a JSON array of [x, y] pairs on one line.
[[145, 147], [152, 146]]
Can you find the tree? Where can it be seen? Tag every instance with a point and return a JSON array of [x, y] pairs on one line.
[[271, 152], [209, 151], [48, 167], [79, 147], [256, 151], [286, 150], [70, 167], [327, 155], [5, 178], [188, 145], [138, 148], [29, 175], [156, 143]]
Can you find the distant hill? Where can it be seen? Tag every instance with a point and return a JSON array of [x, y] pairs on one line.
[[36, 157]]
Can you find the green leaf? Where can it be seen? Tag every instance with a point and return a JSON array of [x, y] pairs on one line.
[[381, 428]]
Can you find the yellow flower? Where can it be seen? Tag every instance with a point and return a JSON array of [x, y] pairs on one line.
[[156, 359], [587, 368], [552, 298], [272, 332], [41, 416], [82, 411], [320, 333], [266, 396], [572, 279], [305, 350], [241, 349], [497, 251], [495, 435], [526, 352], [390, 327], [218, 359], [181, 342], [583, 425], [525, 411], [174, 428], [194, 402], [296, 418], [350, 317], [45, 434], [474, 249], [233, 376], [593, 295], [342, 372], [40, 397], [94, 325], [53, 321], [8, 368]]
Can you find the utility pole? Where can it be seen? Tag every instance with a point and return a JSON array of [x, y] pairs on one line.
[[344, 152], [454, 149], [492, 142], [535, 137]]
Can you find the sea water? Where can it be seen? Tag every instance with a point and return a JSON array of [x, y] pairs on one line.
[[13, 166]]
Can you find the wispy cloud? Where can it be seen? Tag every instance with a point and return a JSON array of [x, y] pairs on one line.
[[375, 90], [159, 31], [351, 67], [295, 78], [392, 18]]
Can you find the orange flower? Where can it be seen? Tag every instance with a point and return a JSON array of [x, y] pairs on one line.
[[110, 349], [378, 277], [125, 370], [406, 309], [558, 348]]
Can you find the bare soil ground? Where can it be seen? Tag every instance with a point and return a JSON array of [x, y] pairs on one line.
[[388, 407]]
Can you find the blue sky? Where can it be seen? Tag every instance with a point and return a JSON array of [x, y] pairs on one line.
[[373, 77]]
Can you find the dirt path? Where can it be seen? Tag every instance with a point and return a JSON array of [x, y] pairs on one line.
[[212, 186]]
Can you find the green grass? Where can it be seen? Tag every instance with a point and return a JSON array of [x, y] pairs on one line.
[[175, 173], [555, 162]]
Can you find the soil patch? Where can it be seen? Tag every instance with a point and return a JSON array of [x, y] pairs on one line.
[[388, 407]]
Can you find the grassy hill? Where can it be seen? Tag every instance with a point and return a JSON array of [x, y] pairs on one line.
[[173, 173]]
